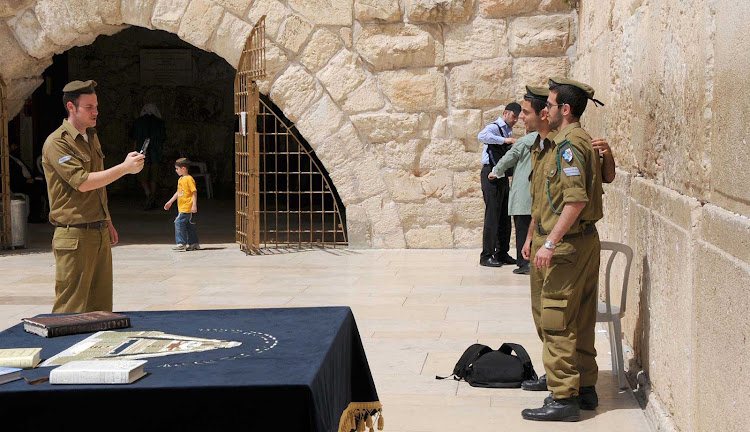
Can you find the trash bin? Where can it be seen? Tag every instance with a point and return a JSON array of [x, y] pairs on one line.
[[19, 211]]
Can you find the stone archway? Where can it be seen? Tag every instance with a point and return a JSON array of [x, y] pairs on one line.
[[389, 94]]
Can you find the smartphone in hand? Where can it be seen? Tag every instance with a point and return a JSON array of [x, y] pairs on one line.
[[145, 146]]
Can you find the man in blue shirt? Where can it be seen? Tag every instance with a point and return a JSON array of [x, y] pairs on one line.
[[497, 140]]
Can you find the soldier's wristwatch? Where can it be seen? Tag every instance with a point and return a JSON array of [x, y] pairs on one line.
[[549, 245]]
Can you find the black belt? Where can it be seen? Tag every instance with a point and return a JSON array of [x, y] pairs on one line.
[[91, 225], [585, 230]]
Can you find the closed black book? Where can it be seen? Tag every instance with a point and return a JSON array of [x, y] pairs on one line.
[[88, 322]]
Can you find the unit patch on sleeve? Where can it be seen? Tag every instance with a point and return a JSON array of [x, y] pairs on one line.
[[571, 171], [64, 159], [567, 155]]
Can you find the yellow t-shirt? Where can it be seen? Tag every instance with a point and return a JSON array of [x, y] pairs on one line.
[[185, 189]]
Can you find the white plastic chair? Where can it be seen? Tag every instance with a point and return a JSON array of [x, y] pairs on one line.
[[609, 313], [203, 172]]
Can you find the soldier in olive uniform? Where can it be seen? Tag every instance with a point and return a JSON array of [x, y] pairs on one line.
[[566, 191], [74, 167]]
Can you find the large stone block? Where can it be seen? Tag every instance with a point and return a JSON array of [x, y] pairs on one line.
[[505, 8], [325, 12], [342, 147], [469, 211], [294, 91], [366, 97], [563, 5], [86, 14], [438, 184], [18, 91], [10, 7], [377, 10], [201, 19], [369, 178], [380, 127], [294, 32], [168, 14], [727, 231], [276, 61], [404, 186], [320, 121], [399, 154], [536, 71], [275, 12], [431, 237], [385, 223], [322, 46], [237, 7], [449, 153], [397, 46], [482, 83], [431, 212], [541, 35], [16, 63], [343, 74], [56, 21], [465, 124], [439, 10], [230, 39], [478, 39], [30, 35], [358, 227], [467, 183], [467, 237], [137, 12], [414, 89]]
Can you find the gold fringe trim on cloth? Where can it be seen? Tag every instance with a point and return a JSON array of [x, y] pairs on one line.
[[360, 415]]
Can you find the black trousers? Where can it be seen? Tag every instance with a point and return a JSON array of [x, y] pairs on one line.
[[497, 226], [522, 223]]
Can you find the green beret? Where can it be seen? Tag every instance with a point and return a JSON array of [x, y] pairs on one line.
[[587, 89], [536, 93], [80, 87]]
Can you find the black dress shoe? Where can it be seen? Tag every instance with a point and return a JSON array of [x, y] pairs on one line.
[[558, 410], [539, 384], [587, 398], [505, 258], [522, 270], [490, 262]]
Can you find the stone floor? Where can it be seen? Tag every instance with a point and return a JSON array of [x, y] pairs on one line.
[[417, 310]]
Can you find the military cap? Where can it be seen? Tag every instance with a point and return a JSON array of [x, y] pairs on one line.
[[540, 93], [587, 89], [80, 87]]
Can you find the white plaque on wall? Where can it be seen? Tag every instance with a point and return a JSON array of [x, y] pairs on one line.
[[166, 67]]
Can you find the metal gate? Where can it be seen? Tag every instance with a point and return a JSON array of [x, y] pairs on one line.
[[6, 239], [284, 198]]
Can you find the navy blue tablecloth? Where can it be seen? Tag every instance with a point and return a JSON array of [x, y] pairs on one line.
[[298, 369]]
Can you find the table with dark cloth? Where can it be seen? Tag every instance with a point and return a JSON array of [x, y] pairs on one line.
[[298, 369]]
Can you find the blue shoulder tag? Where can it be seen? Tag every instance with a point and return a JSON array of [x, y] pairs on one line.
[[567, 155]]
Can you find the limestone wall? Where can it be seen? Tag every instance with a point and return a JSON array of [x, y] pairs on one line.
[[673, 76], [389, 93]]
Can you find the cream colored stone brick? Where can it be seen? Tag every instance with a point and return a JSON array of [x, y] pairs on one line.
[[10, 7], [30, 35], [275, 12], [168, 14], [347, 36], [369, 178], [439, 10], [556, 6], [414, 89], [343, 74], [320, 121], [439, 128], [230, 39], [505, 8], [325, 12], [464, 237], [201, 19], [431, 237], [322, 46], [399, 154], [294, 91], [449, 153], [536, 71], [18, 91], [541, 35], [56, 21], [385, 223], [276, 61], [482, 83], [465, 124], [16, 63], [137, 12], [85, 15], [469, 211], [404, 186], [467, 183], [430, 212], [377, 10], [343, 146], [396, 46], [438, 184], [478, 39], [380, 127], [294, 32], [109, 11], [366, 97], [358, 227], [237, 7]]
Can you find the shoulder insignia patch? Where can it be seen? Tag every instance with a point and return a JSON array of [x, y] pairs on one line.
[[64, 159], [567, 155]]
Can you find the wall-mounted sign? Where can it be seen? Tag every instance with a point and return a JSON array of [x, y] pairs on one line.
[[166, 67]]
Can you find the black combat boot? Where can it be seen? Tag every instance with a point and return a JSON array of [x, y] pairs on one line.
[[587, 398], [539, 384], [558, 410]]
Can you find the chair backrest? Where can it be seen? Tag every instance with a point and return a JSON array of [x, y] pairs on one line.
[[39, 165], [628, 252]]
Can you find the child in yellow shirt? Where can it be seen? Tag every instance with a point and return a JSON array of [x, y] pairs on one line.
[[187, 204]]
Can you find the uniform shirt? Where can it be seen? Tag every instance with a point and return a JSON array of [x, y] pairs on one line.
[[566, 170], [67, 159], [185, 189], [518, 158], [491, 135]]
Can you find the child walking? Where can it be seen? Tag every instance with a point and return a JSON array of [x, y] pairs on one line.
[[187, 204]]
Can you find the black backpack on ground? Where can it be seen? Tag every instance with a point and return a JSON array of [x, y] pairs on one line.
[[481, 366]]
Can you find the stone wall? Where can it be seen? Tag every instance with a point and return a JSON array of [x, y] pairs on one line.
[[672, 74], [389, 93]]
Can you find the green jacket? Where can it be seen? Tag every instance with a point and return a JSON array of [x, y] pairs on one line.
[[518, 158]]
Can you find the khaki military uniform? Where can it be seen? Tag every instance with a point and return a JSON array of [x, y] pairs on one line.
[[81, 243], [564, 296]]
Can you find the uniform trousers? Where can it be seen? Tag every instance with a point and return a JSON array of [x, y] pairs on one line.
[[497, 225], [83, 269], [564, 299]]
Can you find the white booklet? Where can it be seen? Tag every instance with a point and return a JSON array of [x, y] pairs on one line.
[[98, 372]]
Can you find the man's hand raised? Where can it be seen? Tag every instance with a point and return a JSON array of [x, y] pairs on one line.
[[133, 162]]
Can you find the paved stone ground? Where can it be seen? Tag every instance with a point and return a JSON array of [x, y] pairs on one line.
[[417, 310]]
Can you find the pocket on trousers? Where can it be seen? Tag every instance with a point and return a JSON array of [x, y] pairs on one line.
[[565, 253], [553, 314], [65, 262], [65, 244]]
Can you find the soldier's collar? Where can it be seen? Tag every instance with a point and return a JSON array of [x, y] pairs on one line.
[[69, 128], [562, 135]]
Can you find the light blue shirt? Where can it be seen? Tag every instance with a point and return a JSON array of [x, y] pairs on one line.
[[491, 135]]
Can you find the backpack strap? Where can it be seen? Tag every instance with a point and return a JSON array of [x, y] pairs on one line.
[[528, 368], [467, 358]]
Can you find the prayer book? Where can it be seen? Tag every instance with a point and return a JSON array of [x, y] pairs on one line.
[[9, 374], [59, 325], [98, 372], [20, 357]]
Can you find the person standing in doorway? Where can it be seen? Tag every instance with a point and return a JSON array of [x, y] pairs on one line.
[[149, 126], [497, 140], [186, 237], [73, 164]]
